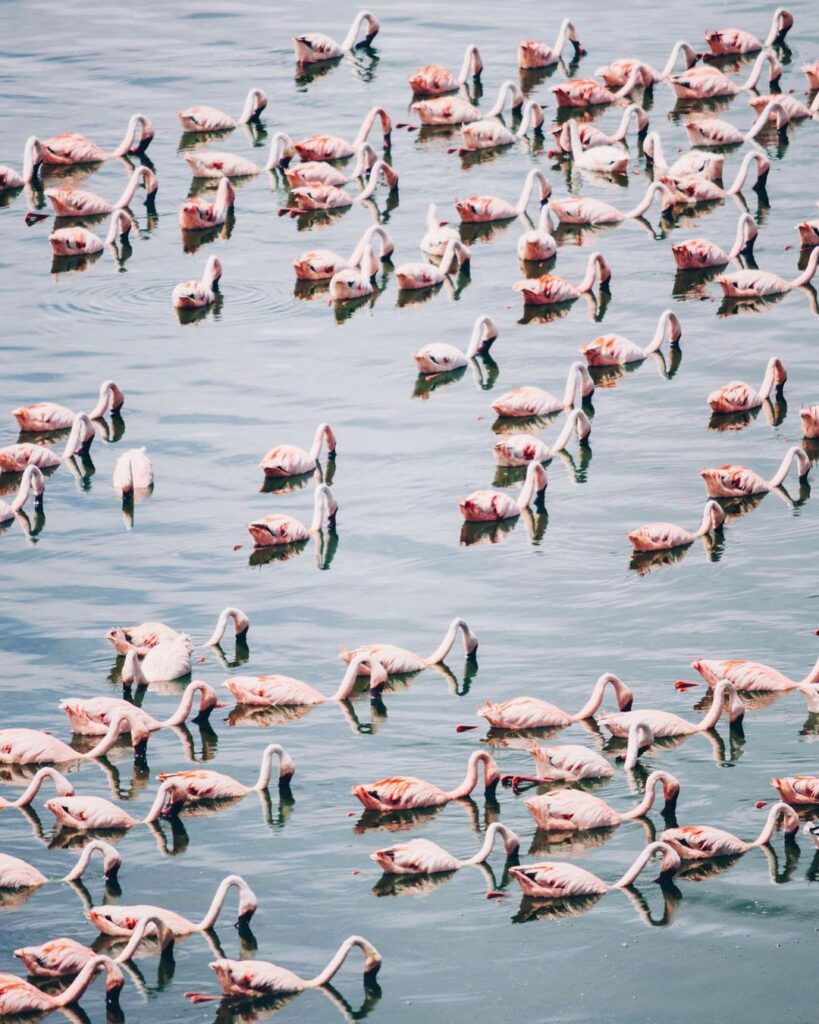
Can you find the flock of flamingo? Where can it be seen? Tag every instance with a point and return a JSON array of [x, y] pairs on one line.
[[154, 653]]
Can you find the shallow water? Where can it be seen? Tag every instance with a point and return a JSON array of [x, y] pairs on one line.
[[554, 602]]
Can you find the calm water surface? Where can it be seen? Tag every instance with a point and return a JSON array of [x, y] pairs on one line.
[[554, 601]]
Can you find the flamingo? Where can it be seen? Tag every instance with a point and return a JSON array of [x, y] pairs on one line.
[[812, 72], [700, 254], [313, 47], [551, 879], [662, 724], [133, 473], [695, 161], [32, 482], [455, 110], [200, 214], [170, 659], [574, 810], [550, 288], [538, 243], [738, 482], [405, 793], [591, 136], [20, 997], [533, 713], [330, 197], [283, 691], [88, 813], [79, 241], [664, 536], [196, 294], [712, 131], [521, 449], [355, 282], [61, 784], [30, 746], [586, 92], [532, 54], [604, 159], [258, 979], [282, 529], [438, 357], [614, 350], [321, 264], [615, 74], [564, 762], [319, 172], [488, 132], [122, 921], [754, 284], [532, 119], [19, 874], [72, 148], [289, 460], [434, 80], [15, 457], [739, 397], [428, 275], [697, 188], [799, 790], [422, 857], [332, 147], [492, 506], [754, 677], [213, 164], [33, 157], [210, 119], [736, 40], [71, 202], [529, 401], [585, 210], [708, 83], [810, 422], [482, 209], [201, 784], [89, 717], [438, 234], [147, 635], [794, 108], [399, 661], [48, 416], [694, 842]]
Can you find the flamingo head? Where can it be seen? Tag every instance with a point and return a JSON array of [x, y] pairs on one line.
[[63, 814]]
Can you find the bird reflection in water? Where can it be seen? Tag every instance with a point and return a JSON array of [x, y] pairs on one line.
[[495, 532], [246, 1011]]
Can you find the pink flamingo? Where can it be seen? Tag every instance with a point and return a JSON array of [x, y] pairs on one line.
[[213, 164], [695, 161], [808, 232], [19, 874], [329, 197], [812, 72], [71, 202], [79, 241], [319, 172], [88, 813], [664, 536], [549, 289], [332, 147], [810, 422], [664, 724], [48, 416], [122, 921], [564, 762], [200, 214], [21, 997], [321, 264], [488, 132], [454, 110], [72, 148], [422, 857], [616, 73], [712, 131], [32, 482], [736, 40], [169, 660], [289, 460], [147, 635], [482, 209], [794, 108], [61, 784], [33, 157], [700, 254], [739, 482], [283, 691], [754, 284], [201, 784], [533, 713], [559, 879], [405, 793], [89, 717], [603, 159], [210, 119], [197, 294], [282, 529], [399, 661], [695, 842], [260, 979], [15, 457], [133, 473], [592, 136], [538, 243], [314, 47], [532, 54], [614, 350], [574, 810], [492, 506], [30, 746], [434, 80], [739, 397], [532, 119], [521, 449], [586, 92], [438, 234], [707, 83], [438, 357], [428, 275], [754, 677], [527, 401], [799, 790], [585, 210], [355, 282], [697, 188]]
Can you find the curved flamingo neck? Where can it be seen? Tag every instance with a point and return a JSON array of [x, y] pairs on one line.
[[747, 232], [595, 269], [443, 649], [812, 676], [281, 149], [247, 901], [255, 102], [533, 117], [32, 159], [592, 706], [351, 39], [567, 33], [667, 325], [484, 331], [61, 784], [137, 123], [165, 935], [639, 116], [169, 786], [112, 735], [771, 107], [578, 421], [379, 167], [670, 786], [211, 273], [579, 385], [756, 71], [773, 370], [671, 862], [574, 140], [780, 24], [105, 402], [510, 91], [534, 483], [640, 738], [490, 775], [718, 704], [510, 841], [763, 165], [132, 670], [472, 64], [110, 856], [679, 47], [286, 766], [130, 189], [186, 703], [654, 189], [374, 231], [32, 480], [378, 676], [225, 197], [324, 508], [535, 175], [119, 227], [779, 816], [631, 81], [653, 150], [241, 625], [323, 433], [372, 961], [365, 157], [81, 982], [367, 124], [809, 270], [784, 468], [712, 518]]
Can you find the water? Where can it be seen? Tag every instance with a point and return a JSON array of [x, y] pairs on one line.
[[552, 609]]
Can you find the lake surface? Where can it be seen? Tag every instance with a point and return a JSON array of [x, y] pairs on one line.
[[554, 602]]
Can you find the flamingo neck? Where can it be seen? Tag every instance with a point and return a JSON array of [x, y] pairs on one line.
[[771, 107], [809, 270], [225, 197], [780, 24], [594, 269], [367, 124], [372, 961], [718, 703], [490, 775], [671, 788], [365, 157], [286, 767], [712, 518], [186, 703], [631, 81], [756, 71], [484, 331], [111, 860], [212, 273], [324, 508], [653, 151], [136, 124], [105, 401], [746, 235], [533, 176], [450, 257], [118, 227], [592, 705], [120, 722], [772, 370], [578, 421], [472, 65], [255, 102], [350, 40], [671, 863], [535, 483], [281, 149], [378, 676], [812, 676], [639, 116], [508, 90], [323, 432], [640, 738], [669, 325], [241, 625], [443, 649], [785, 465], [510, 842], [374, 231], [780, 815], [372, 181], [582, 385], [130, 189], [132, 670], [33, 480], [679, 47], [81, 982], [763, 165], [247, 901], [574, 140], [169, 786], [567, 33], [62, 785], [654, 189], [165, 935], [32, 159], [533, 117]]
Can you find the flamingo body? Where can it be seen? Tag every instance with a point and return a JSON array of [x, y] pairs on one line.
[[17, 874], [15, 457]]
